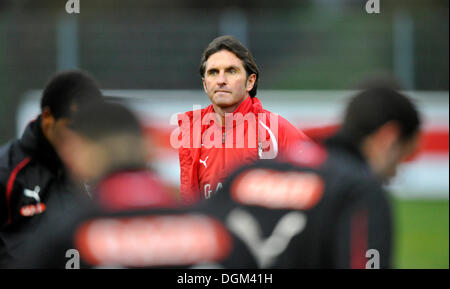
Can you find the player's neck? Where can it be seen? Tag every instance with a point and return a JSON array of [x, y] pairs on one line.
[[221, 111]]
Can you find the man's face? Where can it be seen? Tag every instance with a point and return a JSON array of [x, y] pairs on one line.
[[83, 158], [398, 152], [53, 128], [225, 80], [72, 149], [58, 131]]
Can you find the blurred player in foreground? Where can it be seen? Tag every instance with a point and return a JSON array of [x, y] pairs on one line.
[[33, 181], [326, 207], [136, 222]]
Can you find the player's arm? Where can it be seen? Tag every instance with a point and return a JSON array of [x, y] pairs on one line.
[[9, 188], [3, 204]]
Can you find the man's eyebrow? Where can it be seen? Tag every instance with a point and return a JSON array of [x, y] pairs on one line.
[[226, 68], [232, 66]]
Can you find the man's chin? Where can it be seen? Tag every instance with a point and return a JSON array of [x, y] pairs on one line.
[[224, 102]]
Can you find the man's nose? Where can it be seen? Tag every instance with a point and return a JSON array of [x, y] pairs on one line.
[[221, 79]]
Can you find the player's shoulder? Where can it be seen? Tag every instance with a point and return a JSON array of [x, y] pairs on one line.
[[5, 151], [350, 175], [11, 155], [275, 184], [190, 113], [347, 164], [281, 120], [285, 127]]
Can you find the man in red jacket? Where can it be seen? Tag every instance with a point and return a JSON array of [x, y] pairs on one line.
[[235, 129]]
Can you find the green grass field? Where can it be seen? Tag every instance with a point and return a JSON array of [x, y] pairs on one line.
[[422, 233]]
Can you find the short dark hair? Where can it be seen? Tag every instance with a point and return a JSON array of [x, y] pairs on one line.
[[373, 107], [233, 45], [67, 88], [103, 119]]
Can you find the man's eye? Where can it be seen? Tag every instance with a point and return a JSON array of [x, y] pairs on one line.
[[232, 70], [212, 72]]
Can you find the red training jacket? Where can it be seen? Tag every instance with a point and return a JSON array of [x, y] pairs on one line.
[[205, 161]]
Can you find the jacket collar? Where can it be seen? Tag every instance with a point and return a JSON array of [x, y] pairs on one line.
[[342, 142], [249, 104], [35, 144]]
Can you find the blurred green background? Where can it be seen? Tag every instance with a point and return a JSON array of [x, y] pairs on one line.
[[421, 234]]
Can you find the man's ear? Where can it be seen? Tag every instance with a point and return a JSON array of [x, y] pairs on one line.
[[47, 121], [204, 85], [251, 82], [387, 135]]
